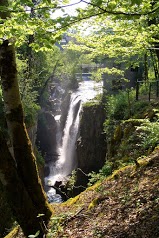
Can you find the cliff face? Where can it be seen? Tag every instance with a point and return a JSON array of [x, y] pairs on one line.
[[49, 125], [91, 145], [46, 135]]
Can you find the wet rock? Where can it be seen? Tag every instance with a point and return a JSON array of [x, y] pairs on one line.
[[91, 145], [64, 109]]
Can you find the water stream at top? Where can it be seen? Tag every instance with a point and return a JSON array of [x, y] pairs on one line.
[[66, 162]]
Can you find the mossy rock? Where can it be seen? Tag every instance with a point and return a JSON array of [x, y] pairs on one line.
[[152, 114], [126, 145], [135, 122], [118, 133]]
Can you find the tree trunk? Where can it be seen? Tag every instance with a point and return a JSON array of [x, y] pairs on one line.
[[23, 153], [154, 21], [18, 198], [145, 68]]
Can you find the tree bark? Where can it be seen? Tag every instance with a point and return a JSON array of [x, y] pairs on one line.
[[17, 197], [23, 153]]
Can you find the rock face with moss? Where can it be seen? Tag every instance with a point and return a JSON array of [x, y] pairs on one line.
[[91, 146], [133, 138]]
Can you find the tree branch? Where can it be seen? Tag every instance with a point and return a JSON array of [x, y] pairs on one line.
[[88, 3], [46, 82], [77, 20], [120, 12], [5, 9], [103, 11]]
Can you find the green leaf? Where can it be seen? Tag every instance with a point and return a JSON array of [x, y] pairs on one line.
[[40, 215], [34, 236]]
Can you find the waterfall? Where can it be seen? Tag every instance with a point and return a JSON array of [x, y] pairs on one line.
[[67, 159], [66, 150], [66, 162]]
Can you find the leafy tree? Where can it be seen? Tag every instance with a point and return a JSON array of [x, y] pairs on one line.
[[23, 187], [24, 167], [124, 31]]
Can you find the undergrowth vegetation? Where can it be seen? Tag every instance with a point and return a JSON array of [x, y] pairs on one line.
[[105, 171], [132, 131]]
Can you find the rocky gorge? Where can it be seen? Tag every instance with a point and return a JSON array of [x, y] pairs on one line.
[[83, 148]]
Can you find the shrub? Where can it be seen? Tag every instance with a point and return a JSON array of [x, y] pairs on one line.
[[31, 113], [105, 171], [119, 106], [149, 135]]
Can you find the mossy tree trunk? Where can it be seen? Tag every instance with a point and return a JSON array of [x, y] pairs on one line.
[[23, 153], [18, 198]]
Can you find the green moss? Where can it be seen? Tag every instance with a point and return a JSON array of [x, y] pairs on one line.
[[95, 186], [13, 233], [121, 170], [91, 103], [135, 122], [94, 102], [71, 201], [118, 133], [94, 203]]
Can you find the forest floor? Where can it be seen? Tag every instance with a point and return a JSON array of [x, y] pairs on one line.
[[124, 205]]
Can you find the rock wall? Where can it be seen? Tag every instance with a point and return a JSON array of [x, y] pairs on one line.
[[64, 110], [91, 145], [46, 135]]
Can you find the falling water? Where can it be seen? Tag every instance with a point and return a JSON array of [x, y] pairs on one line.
[[67, 150], [67, 155]]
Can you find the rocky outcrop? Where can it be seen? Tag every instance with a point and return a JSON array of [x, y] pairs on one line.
[[64, 109], [46, 135], [91, 145]]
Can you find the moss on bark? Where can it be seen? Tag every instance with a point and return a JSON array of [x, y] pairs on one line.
[[17, 196], [26, 168]]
